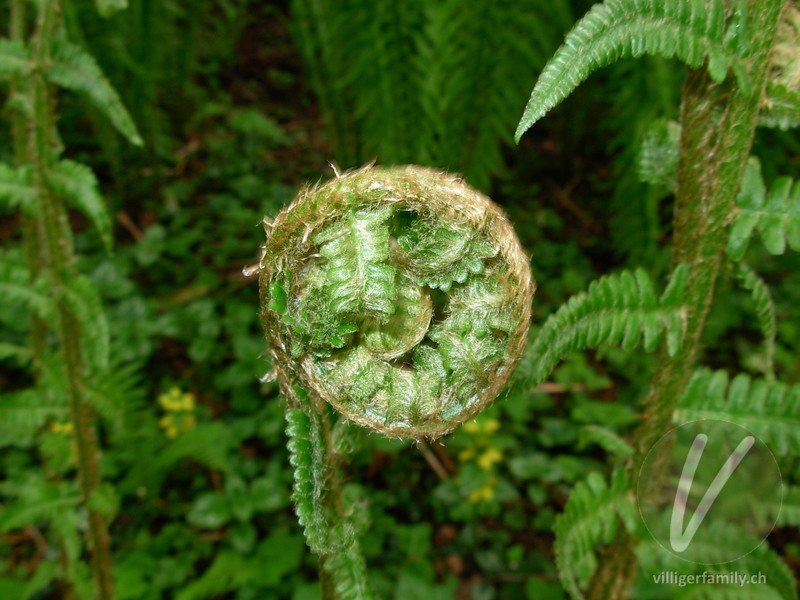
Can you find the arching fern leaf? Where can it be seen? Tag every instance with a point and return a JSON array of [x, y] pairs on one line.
[[769, 409], [774, 213], [616, 309], [689, 29], [75, 69], [590, 519]]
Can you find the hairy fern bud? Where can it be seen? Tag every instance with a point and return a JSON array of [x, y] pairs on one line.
[[401, 296]]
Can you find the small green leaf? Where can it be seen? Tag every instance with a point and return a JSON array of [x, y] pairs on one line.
[[104, 500], [14, 58], [210, 511], [16, 189], [106, 8]]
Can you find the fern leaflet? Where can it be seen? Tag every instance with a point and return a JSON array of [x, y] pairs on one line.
[[776, 214], [616, 309], [658, 155], [15, 187], [77, 184], [608, 440], [765, 310], [14, 59], [589, 519], [781, 107], [76, 70], [359, 280], [84, 303], [769, 409], [779, 581], [689, 29]]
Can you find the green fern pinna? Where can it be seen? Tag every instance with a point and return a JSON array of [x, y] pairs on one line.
[[406, 314]]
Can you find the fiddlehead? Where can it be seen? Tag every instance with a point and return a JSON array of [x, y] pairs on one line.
[[398, 295]]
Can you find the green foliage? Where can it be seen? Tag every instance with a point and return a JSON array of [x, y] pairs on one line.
[[775, 214], [15, 187], [17, 287], [765, 310], [77, 184], [658, 156], [305, 457], [392, 83], [769, 409], [616, 309], [762, 561], [781, 107], [687, 29], [14, 58], [358, 278], [590, 518], [606, 438], [84, 303], [74, 69]]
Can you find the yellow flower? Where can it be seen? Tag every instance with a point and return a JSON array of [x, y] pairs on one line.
[[175, 400], [485, 492], [176, 423], [489, 457], [65, 429], [487, 427]]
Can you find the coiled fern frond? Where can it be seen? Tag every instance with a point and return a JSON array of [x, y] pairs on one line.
[[398, 295]]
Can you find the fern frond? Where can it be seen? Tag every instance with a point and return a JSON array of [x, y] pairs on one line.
[[775, 214], [769, 409], [349, 574], [229, 572], [713, 547], [688, 29], [77, 184], [23, 513], [15, 187], [338, 546], [658, 156], [14, 59], [604, 437], [616, 309], [16, 286], [84, 303], [305, 456], [781, 107], [23, 413], [765, 310], [789, 515], [590, 518], [75, 69], [358, 279]]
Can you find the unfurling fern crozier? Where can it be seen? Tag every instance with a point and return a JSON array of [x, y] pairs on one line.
[[401, 296]]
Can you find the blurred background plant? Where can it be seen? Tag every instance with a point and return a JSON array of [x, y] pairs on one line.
[[239, 103]]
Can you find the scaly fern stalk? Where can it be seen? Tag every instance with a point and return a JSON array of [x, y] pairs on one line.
[[42, 150], [718, 121], [31, 231]]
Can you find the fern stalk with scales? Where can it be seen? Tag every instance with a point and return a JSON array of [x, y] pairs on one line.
[[727, 47], [40, 184]]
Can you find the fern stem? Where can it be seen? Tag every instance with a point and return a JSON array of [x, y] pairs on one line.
[[31, 232], [718, 124], [42, 149]]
